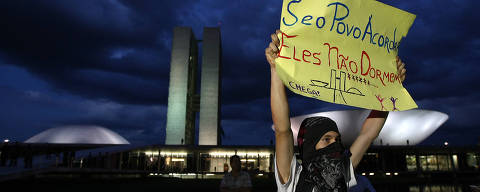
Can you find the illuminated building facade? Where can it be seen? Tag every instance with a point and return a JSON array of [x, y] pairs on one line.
[[210, 88], [183, 66], [387, 162], [183, 101]]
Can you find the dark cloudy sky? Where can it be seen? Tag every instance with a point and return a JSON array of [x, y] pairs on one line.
[[107, 63]]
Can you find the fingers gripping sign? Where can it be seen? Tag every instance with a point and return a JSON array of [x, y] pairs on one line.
[[271, 52]]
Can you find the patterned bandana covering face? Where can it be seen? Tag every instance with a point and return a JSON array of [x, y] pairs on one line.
[[326, 169]]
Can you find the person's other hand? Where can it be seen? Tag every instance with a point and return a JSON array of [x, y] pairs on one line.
[[271, 52], [401, 71]]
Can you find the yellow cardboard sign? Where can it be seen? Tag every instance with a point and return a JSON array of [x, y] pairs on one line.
[[344, 51]]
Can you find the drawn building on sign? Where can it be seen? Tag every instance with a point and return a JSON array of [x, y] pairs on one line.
[[338, 85]]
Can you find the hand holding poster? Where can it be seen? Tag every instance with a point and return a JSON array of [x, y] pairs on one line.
[[344, 52]]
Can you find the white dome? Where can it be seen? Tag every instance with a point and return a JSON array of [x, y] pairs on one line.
[[412, 125], [78, 134]]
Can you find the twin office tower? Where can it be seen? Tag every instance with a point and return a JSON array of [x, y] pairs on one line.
[[183, 101]]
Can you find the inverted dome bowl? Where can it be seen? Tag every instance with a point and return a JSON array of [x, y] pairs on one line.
[[412, 125], [78, 134]]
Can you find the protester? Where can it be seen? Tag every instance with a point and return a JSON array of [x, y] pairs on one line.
[[326, 164]]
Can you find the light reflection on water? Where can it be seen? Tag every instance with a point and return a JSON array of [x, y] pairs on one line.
[[430, 187], [436, 188]]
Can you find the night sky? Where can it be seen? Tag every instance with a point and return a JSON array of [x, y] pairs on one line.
[[107, 63]]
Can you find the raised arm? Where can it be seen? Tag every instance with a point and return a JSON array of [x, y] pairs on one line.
[[372, 126], [280, 113]]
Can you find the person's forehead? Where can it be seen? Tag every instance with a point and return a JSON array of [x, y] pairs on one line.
[[330, 134]]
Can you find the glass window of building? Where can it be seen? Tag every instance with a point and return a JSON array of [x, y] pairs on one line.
[[423, 162], [220, 161], [248, 164], [414, 189], [175, 161], [264, 163], [217, 163], [411, 163], [432, 164], [437, 162], [472, 161], [434, 188], [455, 161], [439, 188], [444, 163], [205, 162]]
